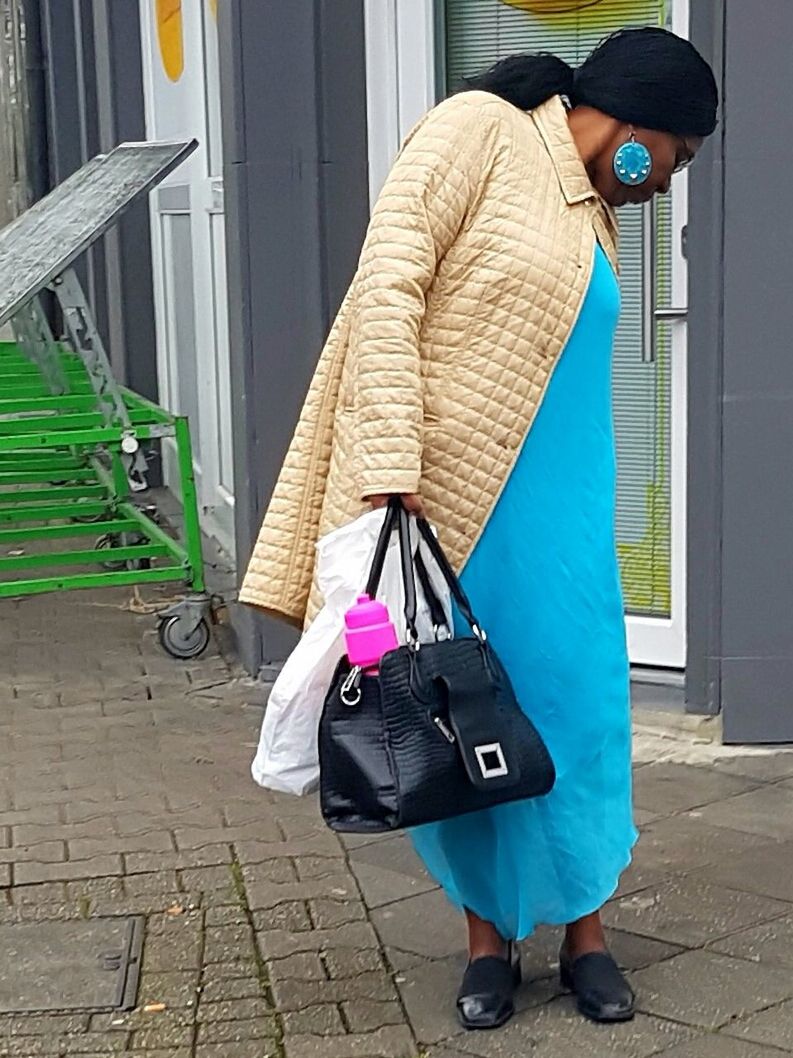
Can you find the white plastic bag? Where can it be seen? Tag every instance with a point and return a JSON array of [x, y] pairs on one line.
[[287, 757]]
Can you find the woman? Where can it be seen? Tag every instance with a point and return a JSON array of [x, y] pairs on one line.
[[469, 371]]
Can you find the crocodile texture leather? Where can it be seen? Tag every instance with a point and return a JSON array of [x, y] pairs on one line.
[[386, 762]]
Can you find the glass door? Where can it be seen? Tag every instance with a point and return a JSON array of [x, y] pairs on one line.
[[650, 352]]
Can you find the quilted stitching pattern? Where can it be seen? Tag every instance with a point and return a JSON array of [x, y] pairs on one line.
[[471, 277]]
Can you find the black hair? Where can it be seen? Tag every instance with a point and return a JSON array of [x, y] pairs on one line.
[[647, 77]]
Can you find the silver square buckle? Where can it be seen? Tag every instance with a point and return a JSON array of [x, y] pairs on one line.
[[491, 760]]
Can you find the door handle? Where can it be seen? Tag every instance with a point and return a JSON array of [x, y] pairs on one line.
[[668, 314]]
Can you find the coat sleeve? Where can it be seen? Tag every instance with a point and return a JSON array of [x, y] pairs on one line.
[[437, 178]]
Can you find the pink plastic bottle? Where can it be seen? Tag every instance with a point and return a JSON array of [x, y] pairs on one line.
[[369, 633]]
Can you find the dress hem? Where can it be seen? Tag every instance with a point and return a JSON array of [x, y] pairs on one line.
[[573, 916]]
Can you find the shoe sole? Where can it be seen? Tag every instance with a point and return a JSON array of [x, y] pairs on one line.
[[474, 1026], [617, 1019]]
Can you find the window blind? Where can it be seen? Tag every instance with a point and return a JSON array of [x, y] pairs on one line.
[[477, 34]]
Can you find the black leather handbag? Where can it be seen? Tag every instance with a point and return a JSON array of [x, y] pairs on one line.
[[437, 732]]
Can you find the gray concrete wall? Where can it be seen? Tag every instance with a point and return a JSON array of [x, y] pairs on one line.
[[94, 100], [705, 387], [71, 115], [295, 175], [38, 146], [128, 281], [757, 425], [741, 385]]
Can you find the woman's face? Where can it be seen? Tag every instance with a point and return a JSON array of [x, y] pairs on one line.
[[669, 153]]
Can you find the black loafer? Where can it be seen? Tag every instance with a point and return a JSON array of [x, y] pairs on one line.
[[486, 996], [601, 991]]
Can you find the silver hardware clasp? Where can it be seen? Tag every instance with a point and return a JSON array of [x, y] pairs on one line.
[[447, 733], [491, 760], [351, 688]]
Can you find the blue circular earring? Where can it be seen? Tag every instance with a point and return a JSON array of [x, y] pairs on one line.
[[633, 163]]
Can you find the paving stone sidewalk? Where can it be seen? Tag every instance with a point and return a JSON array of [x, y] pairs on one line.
[[125, 790]]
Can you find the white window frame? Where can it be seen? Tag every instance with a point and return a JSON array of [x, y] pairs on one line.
[[203, 206], [400, 77], [652, 641]]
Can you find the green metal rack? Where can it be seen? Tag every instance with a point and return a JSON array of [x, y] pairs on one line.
[[66, 474], [73, 443]]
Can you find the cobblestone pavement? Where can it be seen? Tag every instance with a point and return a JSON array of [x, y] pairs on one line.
[[124, 790]]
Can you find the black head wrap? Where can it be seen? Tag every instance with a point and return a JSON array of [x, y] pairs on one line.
[[647, 77]]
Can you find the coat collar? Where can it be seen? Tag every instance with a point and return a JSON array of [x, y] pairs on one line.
[[550, 119]]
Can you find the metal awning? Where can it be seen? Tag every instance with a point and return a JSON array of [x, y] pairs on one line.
[[41, 244]]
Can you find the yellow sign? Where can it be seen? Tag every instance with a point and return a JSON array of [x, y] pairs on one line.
[[552, 7], [213, 7], [604, 14], [170, 37]]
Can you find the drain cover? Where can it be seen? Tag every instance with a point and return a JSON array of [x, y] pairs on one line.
[[85, 965]]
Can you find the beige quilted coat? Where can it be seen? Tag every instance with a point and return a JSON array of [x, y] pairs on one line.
[[472, 275]]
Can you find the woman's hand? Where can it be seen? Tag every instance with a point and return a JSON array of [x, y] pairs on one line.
[[411, 501]]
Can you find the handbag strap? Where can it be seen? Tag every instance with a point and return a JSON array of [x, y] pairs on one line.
[[408, 577], [381, 547], [397, 518], [449, 576], [437, 613], [414, 564]]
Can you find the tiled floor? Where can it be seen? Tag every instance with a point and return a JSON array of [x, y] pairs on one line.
[[125, 789]]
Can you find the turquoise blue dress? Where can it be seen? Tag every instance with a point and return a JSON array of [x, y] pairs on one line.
[[544, 582]]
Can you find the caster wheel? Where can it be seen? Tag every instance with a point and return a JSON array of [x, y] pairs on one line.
[[177, 640], [135, 540], [107, 543], [111, 540]]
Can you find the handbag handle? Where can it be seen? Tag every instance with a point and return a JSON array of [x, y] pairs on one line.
[[408, 578], [437, 613], [451, 578], [390, 523], [381, 547], [397, 518]]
